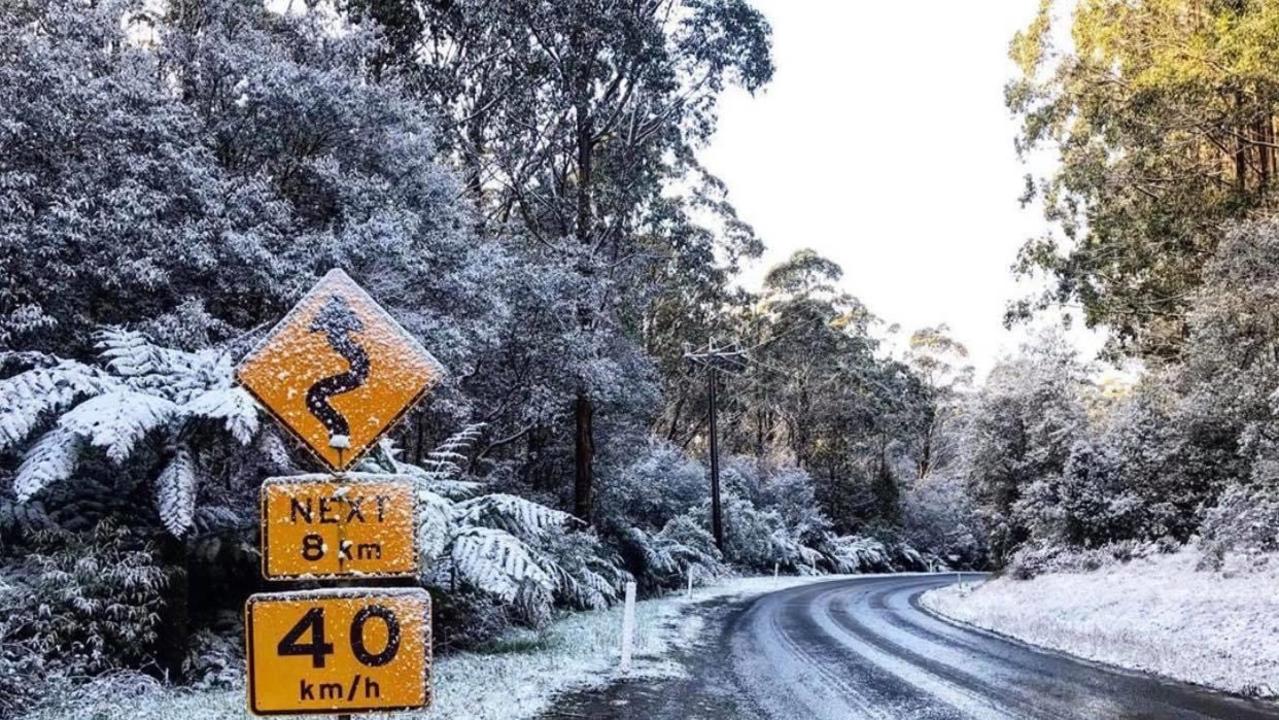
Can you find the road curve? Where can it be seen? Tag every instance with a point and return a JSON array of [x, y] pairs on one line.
[[864, 649]]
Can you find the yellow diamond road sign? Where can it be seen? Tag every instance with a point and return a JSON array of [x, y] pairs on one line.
[[338, 371]]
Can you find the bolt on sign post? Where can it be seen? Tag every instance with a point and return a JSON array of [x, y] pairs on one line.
[[338, 372], [357, 524], [340, 650]]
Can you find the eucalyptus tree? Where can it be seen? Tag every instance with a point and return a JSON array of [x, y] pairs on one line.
[[575, 125], [1162, 118]]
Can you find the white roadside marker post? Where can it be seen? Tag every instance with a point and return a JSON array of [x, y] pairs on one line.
[[690, 582], [628, 627], [776, 568]]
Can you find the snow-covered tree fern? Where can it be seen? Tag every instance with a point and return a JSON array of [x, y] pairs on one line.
[[511, 548], [142, 390]]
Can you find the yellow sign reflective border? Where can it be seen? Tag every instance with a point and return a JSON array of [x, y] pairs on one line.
[[358, 524], [341, 650]]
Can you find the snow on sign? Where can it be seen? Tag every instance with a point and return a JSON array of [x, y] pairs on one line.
[[338, 650], [356, 524], [338, 371]]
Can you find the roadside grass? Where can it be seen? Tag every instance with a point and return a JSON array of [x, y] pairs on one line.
[[514, 677], [1157, 614]]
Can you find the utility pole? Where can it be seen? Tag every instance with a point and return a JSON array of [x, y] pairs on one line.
[[715, 359]]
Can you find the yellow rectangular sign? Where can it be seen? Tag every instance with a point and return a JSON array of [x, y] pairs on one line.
[[342, 650], [316, 526]]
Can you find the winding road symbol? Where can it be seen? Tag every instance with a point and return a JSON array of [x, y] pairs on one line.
[[339, 325], [386, 371]]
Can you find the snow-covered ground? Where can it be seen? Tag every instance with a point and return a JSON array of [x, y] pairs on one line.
[[517, 679], [1158, 614]]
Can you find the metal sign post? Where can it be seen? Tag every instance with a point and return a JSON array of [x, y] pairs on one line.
[[338, 372]]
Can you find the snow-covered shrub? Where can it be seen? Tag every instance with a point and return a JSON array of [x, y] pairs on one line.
[[856, 554], [760, 539], [1034, 560], [214, 659], [1245, 521], [660, 484], [463, 618], [588, 575], [939, 515], [664, 559], [78, 605]]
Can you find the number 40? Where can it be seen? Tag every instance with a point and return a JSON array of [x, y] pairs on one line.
[[317, 648]]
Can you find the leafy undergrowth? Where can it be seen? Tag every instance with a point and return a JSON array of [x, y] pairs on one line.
[[1158, 614], [513, 677]]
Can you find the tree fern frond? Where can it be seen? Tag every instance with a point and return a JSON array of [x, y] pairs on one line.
[[233, 406], [52, 459], [449, 458], [175, 491], [31, 394], [511, 513], [147, 366], [271, 446], [498, 563], [117, 420], [434, 527]]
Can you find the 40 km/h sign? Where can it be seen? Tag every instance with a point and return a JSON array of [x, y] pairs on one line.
[[316, 526], [339, 650], [338, 371]]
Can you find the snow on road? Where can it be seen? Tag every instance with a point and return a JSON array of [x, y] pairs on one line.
[[1157, 614], [863, 649]]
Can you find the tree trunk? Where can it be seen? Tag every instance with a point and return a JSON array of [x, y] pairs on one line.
[[176, 614], [584, 456], [584, 440]]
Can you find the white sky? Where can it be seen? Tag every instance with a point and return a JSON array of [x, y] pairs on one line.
[[883, 143]]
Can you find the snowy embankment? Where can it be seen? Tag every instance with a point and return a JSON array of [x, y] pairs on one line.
[[516, 678], [1157, 614]]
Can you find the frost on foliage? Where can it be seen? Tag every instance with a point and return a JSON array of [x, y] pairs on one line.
[[855, 553], [680, 546], [175, 490], [498, 563], [449, 458], [511, 513], [146, 366], [441, 480], [117, 420], [52, 459], [233, 406], [28, 396], [434, 526]]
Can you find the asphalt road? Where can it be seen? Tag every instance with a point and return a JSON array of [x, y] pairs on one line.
[[865, 649]]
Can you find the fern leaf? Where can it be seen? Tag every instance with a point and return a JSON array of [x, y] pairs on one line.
[[498, 563], [434, 526], [449, 458], [162, 370], [175, 492], [233, 406], [30, 395], [272, 447], [117, 420], [513, 514], [52, 459]]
